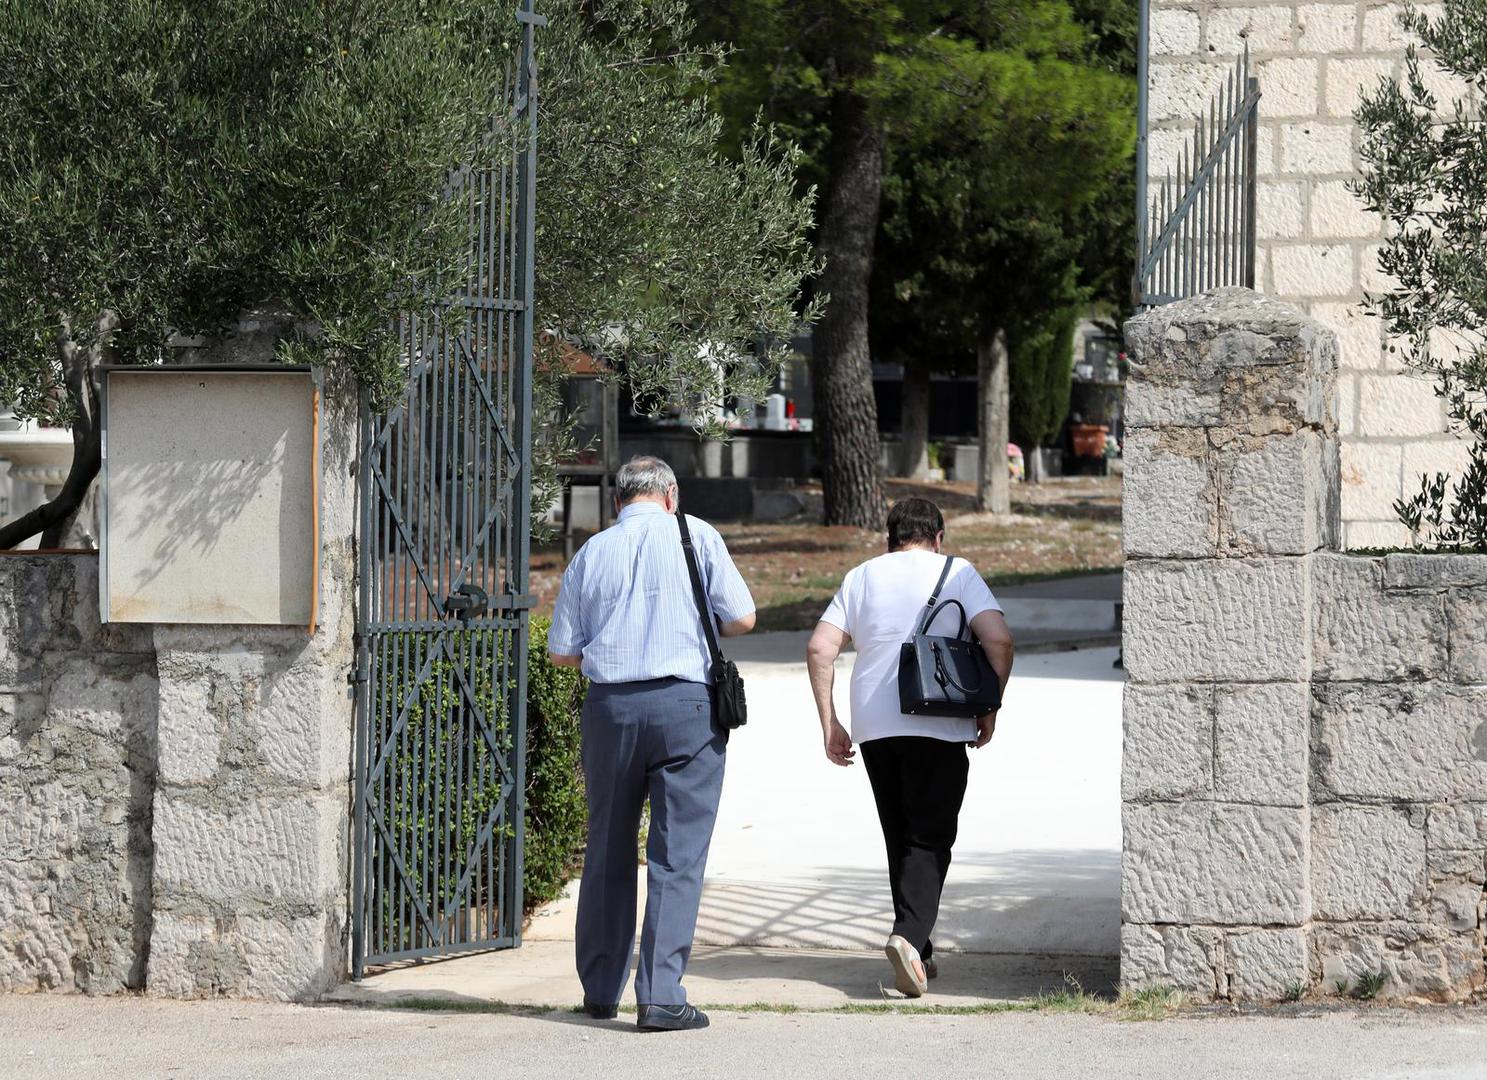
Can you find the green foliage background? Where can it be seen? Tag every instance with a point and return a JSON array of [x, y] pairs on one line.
[[1425, 170], [1009, 133], [557, 815], [178, 161], [1040, 364]]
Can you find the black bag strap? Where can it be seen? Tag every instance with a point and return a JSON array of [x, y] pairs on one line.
[[699, 595], [929, 609]]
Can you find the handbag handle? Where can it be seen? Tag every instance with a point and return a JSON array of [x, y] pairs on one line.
[[929, 620]]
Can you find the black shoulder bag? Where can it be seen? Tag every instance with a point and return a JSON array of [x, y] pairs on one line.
[[730, 710], [946, 676]]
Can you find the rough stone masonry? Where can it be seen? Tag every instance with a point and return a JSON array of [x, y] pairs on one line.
[[77, 778], [174, 800], [1305, 762]]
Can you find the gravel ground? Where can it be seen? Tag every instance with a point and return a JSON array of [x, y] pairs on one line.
[[1065, 527]]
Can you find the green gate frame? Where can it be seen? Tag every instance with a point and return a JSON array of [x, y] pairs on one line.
[[443, 611]]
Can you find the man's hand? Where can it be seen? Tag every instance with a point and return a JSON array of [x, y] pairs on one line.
[[985, 729], [839, 744]]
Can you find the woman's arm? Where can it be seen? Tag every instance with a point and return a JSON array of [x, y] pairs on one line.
[[821, 651], [991, 630]]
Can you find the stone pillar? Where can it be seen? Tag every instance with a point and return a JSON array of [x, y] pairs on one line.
[[252, 804], [1230, 487]]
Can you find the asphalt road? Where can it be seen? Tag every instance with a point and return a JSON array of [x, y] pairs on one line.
[[123, 1039]]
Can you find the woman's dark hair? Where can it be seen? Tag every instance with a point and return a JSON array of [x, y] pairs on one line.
[[914, 521]]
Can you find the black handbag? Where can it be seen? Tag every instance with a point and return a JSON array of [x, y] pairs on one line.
[[730, 708], [946, 676]]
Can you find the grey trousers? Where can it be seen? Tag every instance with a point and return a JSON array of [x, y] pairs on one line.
[[645, 740]]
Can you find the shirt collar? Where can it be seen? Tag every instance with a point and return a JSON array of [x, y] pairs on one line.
[[635, 509]]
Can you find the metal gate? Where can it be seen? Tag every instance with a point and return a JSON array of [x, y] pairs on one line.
[[1197, 230], [442, 619]]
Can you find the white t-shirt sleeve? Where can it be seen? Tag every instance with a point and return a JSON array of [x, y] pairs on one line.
[[838, 612], [973, 593]]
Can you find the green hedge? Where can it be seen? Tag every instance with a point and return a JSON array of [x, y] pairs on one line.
[[556, 812], [439, 745]]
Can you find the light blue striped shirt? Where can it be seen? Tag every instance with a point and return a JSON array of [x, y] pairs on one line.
[[626, 601]]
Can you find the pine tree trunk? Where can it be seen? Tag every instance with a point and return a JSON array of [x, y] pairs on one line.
[[841, 365], [993, 489], [913, 456]]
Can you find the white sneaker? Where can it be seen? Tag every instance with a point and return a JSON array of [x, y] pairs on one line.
[[908, 969]]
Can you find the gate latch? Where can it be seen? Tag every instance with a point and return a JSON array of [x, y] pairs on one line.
[[467, 601]]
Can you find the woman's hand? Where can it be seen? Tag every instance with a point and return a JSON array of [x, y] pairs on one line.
[[838, 744], [985, 729]]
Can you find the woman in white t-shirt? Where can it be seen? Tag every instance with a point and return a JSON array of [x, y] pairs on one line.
[[917, 765]]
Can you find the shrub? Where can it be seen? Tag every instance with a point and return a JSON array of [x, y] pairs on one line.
[[556, 815], [441, 745], [1040, 373]]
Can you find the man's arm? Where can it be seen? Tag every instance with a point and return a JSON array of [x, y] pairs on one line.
[[727, 592], [737, 626], [821, 651], [990, 628], [565, 636]]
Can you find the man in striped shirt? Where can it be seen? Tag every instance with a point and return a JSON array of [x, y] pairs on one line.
[[627, 617]]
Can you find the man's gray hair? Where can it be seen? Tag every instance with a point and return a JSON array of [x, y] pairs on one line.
[[643, 476]]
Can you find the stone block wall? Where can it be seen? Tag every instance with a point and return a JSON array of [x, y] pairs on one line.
[[1305, 764], [175, 800], [252, 802], [1317, 246], [1399, 771], [77, 773]]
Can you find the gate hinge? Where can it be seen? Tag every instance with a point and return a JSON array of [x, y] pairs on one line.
[[362, 671]]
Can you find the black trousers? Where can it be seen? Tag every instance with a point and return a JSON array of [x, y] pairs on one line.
[[919, 785]]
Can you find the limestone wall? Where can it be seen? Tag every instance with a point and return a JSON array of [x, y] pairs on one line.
[[1318, 247], [1305, 765], [1399, 770], [251, 808], [77, 774], [175, 800]]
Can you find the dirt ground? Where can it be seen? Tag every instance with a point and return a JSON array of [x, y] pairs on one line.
[[1064, 526]]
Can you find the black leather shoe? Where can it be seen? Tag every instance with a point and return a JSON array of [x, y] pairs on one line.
[[600, 1012], [931, 969], [670, 1018]]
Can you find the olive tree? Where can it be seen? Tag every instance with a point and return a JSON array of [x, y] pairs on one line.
[[168, 164], [1425, 171]]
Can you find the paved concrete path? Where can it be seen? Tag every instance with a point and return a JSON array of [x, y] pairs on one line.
[[541, 974], [47, 1037], [797, 857], [796, 903]]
